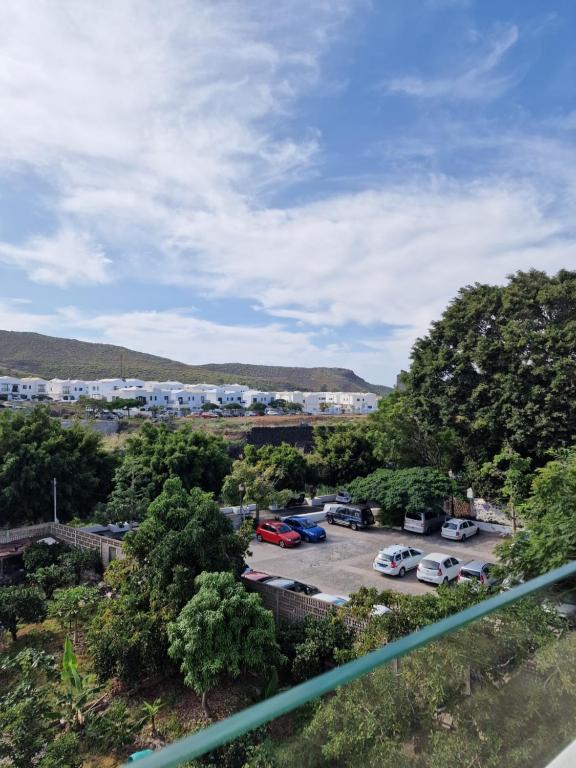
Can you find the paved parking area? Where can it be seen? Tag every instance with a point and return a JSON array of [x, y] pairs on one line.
[[343, 563]]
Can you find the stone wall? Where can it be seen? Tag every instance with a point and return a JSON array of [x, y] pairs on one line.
[[301, 436]]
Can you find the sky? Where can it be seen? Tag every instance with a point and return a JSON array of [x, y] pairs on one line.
[[288, 183]]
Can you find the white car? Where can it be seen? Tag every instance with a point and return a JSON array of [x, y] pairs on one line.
[[459, 529], [438, 568], [397, 559], [343, 497]]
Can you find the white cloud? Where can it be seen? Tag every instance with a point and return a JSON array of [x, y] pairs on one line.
[[65, 258], [477, 82]]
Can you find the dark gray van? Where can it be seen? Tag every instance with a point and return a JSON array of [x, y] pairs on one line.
[[424, 522], [353, 517]]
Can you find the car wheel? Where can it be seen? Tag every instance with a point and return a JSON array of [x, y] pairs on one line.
[[304, 538], [259, 536], [282, 544], [354, 526], [402, 572], [445, 581], [330, 520]]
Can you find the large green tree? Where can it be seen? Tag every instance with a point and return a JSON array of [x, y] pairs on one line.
[[286, 465], [499, 367], [183, 534], [403, 490], [549, 515], [198, 459], [343, 453], [35, 449], [19, 605], [223, 630]]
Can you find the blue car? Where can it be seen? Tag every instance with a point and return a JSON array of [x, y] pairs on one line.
[[307, 529]]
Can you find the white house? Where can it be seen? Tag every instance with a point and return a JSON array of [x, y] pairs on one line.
[[32, 387], [68, 389], [251, 396], [10, 387]]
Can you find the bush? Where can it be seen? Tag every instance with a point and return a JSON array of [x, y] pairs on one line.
[[63, 752], [40, 555], [110, 730]]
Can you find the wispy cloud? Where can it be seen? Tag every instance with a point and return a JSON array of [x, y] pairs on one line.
[[477, 81]]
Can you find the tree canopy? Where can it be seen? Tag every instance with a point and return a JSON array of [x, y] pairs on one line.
[[403, 490], [183, 534], [343, 453], [286, 464], [223, 630], [198, 459], [499, 367], [34, 449]]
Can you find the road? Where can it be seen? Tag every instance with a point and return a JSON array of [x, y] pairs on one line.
[[343, 563]]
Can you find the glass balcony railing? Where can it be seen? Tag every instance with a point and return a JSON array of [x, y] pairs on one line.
[[493, 685]]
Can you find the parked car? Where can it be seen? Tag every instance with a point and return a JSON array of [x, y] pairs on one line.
[[258, 576], [353, 517], [296, 501], [438, 568], [307, 529], [478, 572], [293, 586], [343, 497], [424, 522], [396, 559], [458, 529], [277, 533], [332, 599]]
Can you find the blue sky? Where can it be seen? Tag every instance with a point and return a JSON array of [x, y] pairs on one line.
[[291, 183]]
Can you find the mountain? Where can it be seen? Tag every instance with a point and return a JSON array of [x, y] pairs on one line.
[[53, 357]]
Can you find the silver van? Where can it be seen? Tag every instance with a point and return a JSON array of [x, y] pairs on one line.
[[424, 522]]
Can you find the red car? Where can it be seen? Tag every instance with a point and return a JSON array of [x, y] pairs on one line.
[[277, 533]]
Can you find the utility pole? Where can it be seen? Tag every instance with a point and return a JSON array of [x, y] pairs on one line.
[[121, 365], [55, 496]]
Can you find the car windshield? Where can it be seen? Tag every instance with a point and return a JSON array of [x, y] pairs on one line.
[[283, 529], [307, 524], [431, 564]]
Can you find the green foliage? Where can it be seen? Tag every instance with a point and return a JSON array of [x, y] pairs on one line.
[[402, 439], [343, 453], [259, 485], [323, 640], [285, 465], [78, 689], [499, 369], [223, 630], [150, 710], [257, 408], [126, 641], [133, 490], [549, 515], [63, 752], [52, 577], [403, 490], [19, 605], [39, 555], [111, 730], [198, 459], [34, 449], [72, 607], [183, 534]]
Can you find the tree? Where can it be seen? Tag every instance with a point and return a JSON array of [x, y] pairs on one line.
[[499, 367], [343, 453], [40, 555], [258, 484], [401, 439], [259, 408], [78, 689], [198, 459], [399, 491], [126, 640], [150, 710], [206, 407], [323, 640], [507, 480], [183, 534], [223, 630], [72, 607], [133, 490], [19, 605], [34, 449], [549, 538], [52, 577], [286, 463]]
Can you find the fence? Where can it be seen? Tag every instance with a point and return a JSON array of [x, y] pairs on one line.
[[109, 549]]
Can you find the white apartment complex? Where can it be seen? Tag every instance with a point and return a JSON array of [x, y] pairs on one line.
[[176, 396]]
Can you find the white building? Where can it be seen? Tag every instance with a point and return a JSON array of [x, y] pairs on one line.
[[32, 387], [9, 388], [252, 396], [68, 389]]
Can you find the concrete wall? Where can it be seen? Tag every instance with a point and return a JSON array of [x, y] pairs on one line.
[[301, 436], [293, 607]]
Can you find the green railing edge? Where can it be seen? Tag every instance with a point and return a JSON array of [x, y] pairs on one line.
[[248, 719]]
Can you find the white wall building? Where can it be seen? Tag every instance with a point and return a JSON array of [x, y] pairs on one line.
[[251, 396]]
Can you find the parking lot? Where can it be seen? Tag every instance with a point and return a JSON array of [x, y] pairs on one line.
[[343, 563]]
